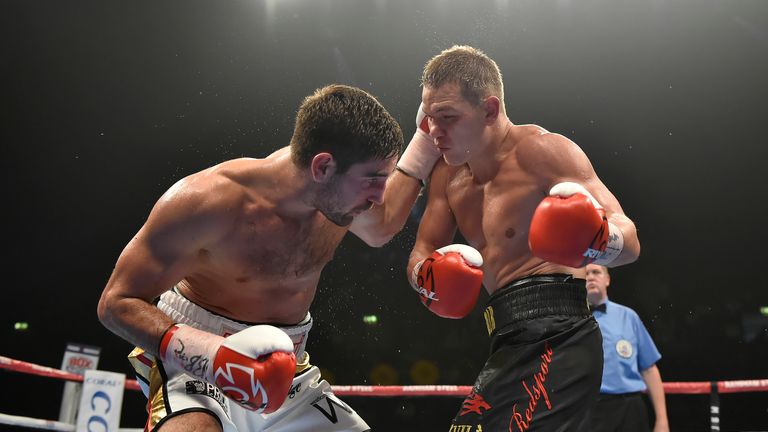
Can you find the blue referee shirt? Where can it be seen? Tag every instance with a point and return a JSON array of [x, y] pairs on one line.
[[627, 349]]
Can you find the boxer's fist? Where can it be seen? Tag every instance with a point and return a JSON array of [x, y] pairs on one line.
[[569, 227], [420, 156], [449, 281], [254, 367]]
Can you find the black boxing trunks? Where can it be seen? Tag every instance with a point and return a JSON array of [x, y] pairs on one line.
[[546, 360], [626, 412]]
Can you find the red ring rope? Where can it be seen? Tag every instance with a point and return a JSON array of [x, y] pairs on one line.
[[693, 387]]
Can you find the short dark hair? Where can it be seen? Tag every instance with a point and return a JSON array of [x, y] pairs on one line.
[[346, 122], [477, 75], [605, 268]]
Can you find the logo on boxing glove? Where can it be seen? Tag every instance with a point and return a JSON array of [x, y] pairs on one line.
[[228, 383], [596, 249], [254, 367], [426, 277], [454, 271]]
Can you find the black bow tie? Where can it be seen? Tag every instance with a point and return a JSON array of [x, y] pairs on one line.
[[600, 307]]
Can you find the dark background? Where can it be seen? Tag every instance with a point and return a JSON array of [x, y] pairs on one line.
[[105, 104]]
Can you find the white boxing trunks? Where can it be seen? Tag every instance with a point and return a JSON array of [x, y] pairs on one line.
[[310, 406]]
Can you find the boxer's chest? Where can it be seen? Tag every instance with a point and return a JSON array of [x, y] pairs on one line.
[[272, 248], [494, 217]]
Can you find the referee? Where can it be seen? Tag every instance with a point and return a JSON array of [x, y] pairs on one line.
[[629, 367]]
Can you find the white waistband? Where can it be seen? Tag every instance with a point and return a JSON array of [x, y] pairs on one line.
[[183, 311]]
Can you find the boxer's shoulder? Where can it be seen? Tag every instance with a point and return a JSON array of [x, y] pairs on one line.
[[535, 142], [519, 132], [238, 179], [548, 154], [204, 198], [241, 170], [206, 189], [450, 176]]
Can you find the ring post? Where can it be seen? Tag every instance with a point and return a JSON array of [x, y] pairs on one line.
[[77, 359], [714, 408]]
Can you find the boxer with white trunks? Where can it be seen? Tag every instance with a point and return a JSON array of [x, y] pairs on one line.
[[244, 242], [310, 404]]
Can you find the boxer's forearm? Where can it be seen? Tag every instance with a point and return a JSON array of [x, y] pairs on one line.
[[135, 320], [378, 225]]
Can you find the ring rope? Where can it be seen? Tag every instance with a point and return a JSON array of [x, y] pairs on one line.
[[33, 423], [691, 387]]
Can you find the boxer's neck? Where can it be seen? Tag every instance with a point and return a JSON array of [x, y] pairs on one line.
[[487, 160], [292, 190]]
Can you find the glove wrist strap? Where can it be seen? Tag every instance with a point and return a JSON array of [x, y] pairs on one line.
[[614, 247], [191, 351], [415, 275]]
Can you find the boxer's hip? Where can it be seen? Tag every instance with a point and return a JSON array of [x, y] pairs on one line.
[[533, 308], [182, 310], [545, 366], [173, 392]]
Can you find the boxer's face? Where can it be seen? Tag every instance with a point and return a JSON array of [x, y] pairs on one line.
[[598, 280], [455, 125], [355, 191]]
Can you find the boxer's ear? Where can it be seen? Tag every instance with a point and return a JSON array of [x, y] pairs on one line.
[[322, 167], [492, 107]]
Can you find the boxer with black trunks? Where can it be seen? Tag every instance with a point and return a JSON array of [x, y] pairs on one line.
[[534, 213], [241, 244]]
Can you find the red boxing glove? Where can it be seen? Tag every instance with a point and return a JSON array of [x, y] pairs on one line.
[[254, 367], [569, 227], [449, 281]]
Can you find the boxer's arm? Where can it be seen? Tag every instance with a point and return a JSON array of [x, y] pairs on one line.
[[556, 159], [378, 225], [447, 277], [438, 225], [180, 225]]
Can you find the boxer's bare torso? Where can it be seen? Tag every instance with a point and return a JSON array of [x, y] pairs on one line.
[[493, 176], [494, 216], [266, 265], [263, 259], [244, 239], [493, 211]]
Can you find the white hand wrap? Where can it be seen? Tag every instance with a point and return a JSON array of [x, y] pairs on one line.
[[192, 351], [414, 280]]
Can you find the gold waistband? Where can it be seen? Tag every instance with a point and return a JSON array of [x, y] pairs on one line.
[[303, 363]]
